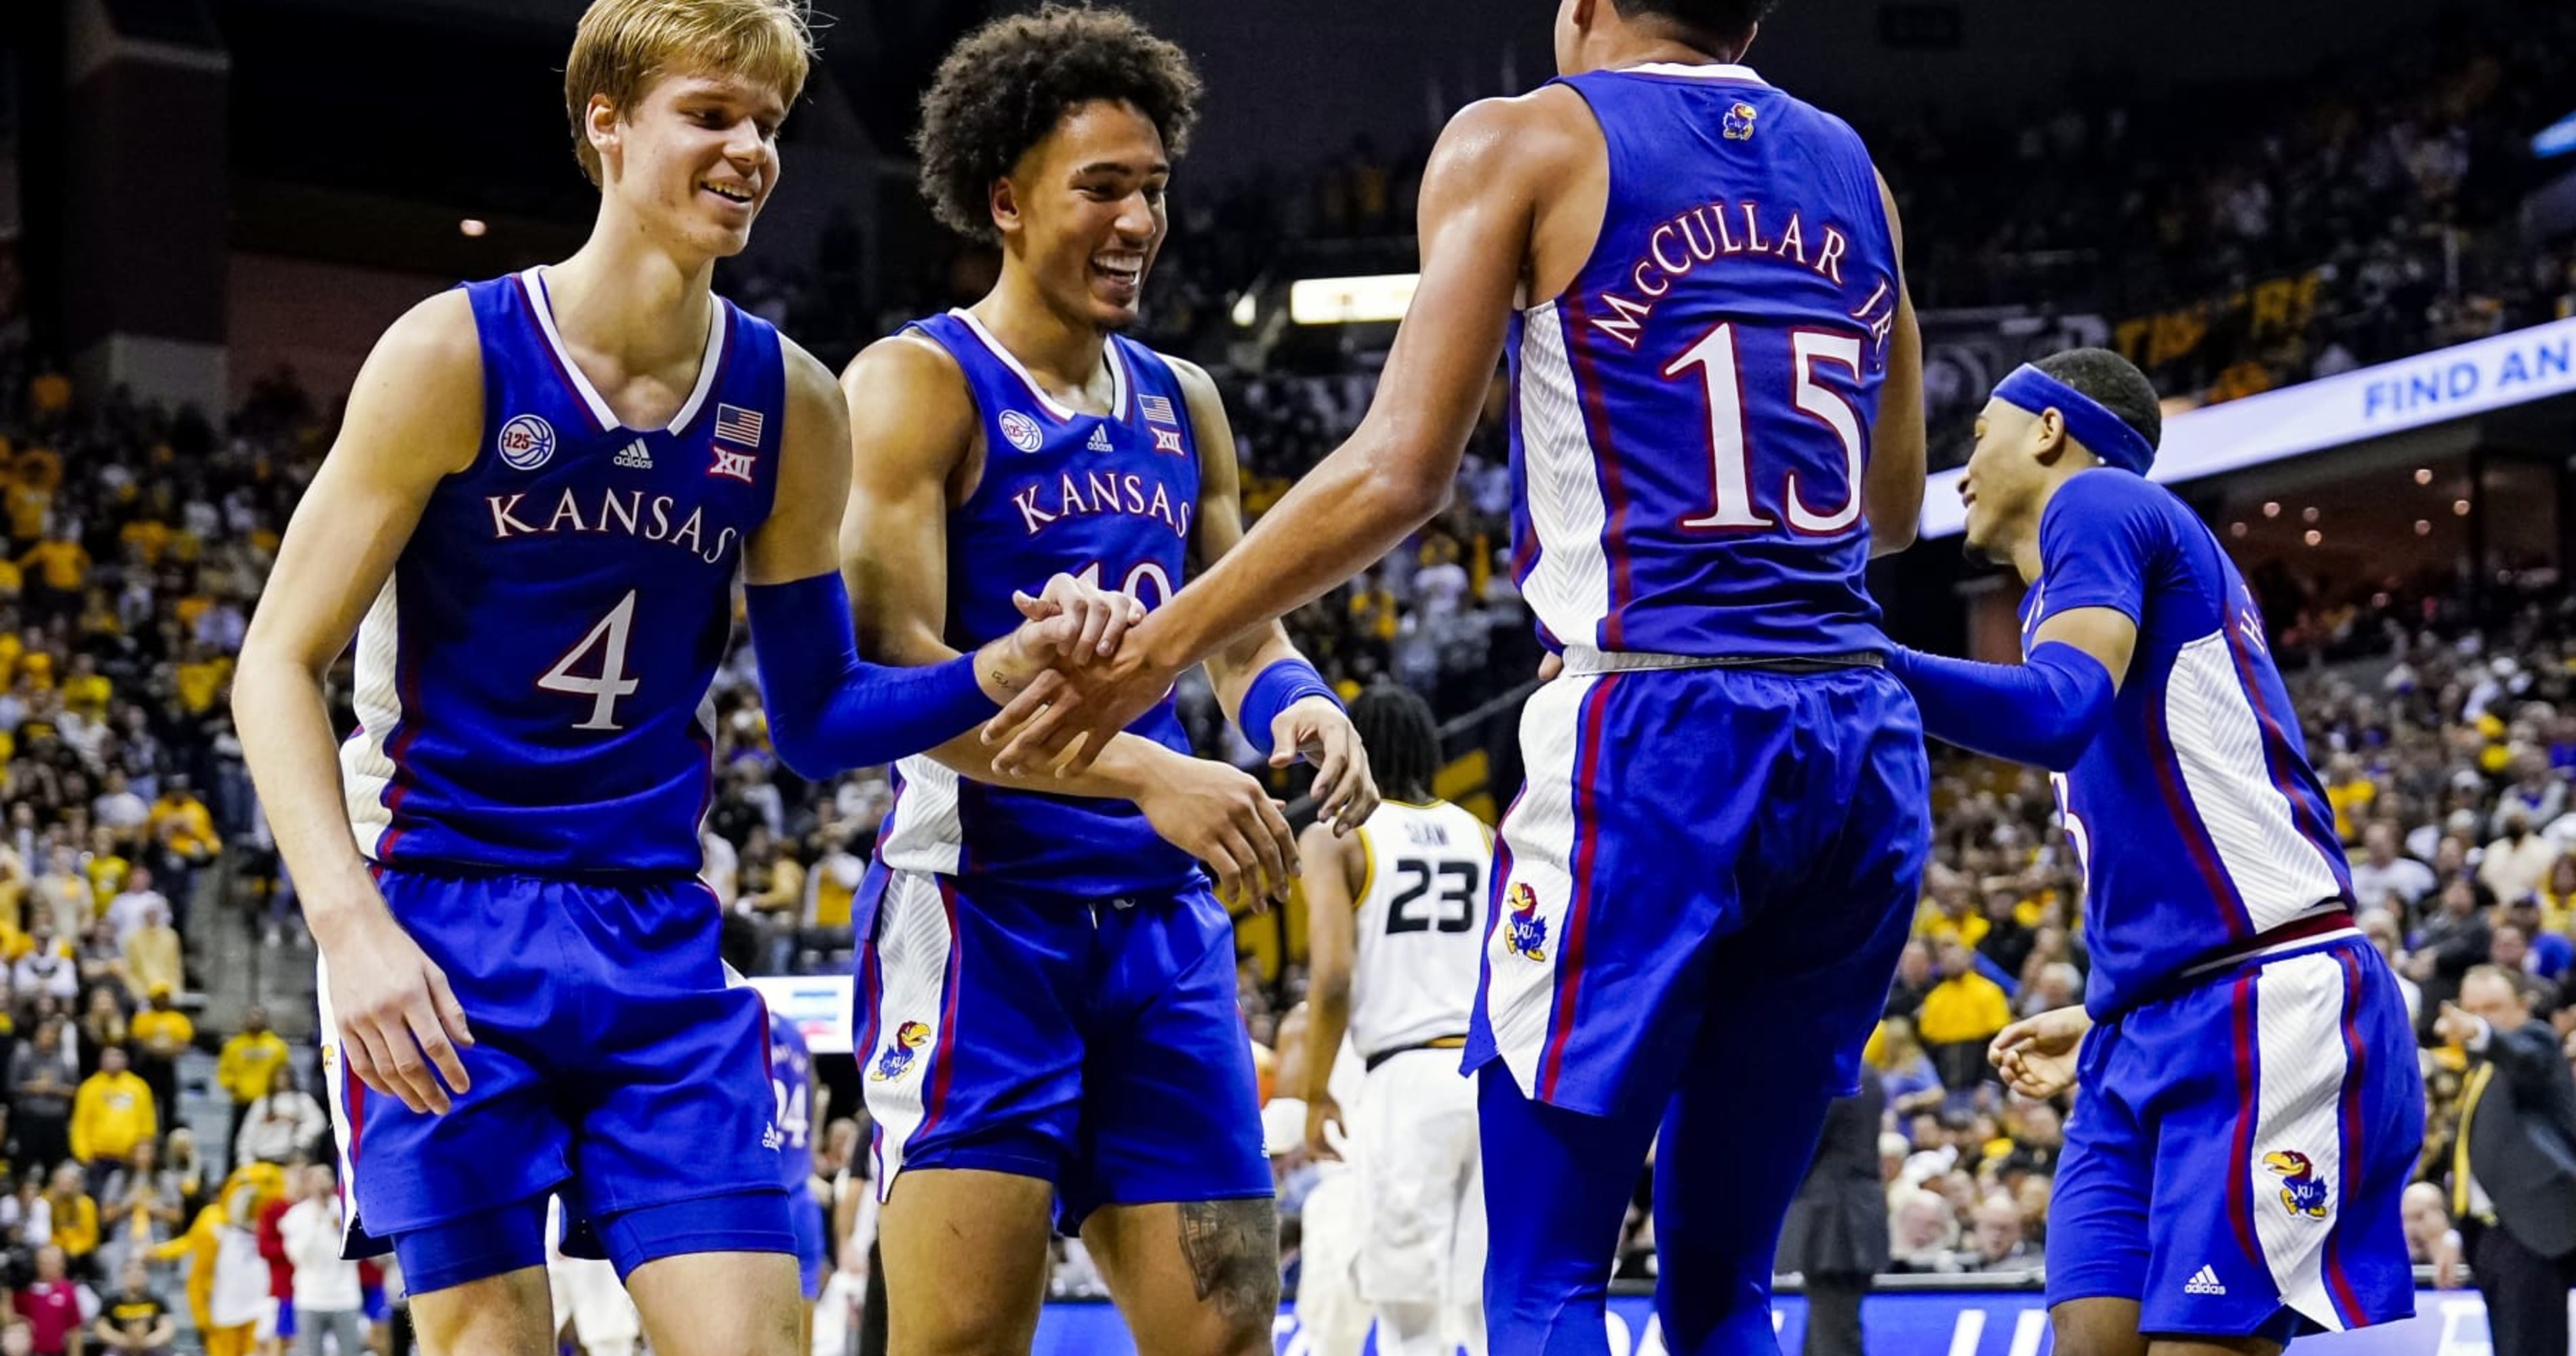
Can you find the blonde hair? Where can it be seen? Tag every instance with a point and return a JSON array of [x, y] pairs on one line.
[[622, 46]]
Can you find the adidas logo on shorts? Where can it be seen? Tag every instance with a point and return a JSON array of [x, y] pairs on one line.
[[2203, 1282], [1100, 439], [635, 456]]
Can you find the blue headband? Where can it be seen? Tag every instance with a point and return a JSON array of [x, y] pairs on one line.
[[2104, 434]]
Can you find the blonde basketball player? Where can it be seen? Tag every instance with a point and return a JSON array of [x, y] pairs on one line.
[[1395, 919]]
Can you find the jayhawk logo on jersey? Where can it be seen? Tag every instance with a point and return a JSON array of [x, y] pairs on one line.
[[2301, 1192], [899, 1055], [1739, 122], [1529, 931]]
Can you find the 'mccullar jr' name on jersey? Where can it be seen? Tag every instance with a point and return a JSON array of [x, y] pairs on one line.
[[1736, 230], [1098, 492], [630, 512]]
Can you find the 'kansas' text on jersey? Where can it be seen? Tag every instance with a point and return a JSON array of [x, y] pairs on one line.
[[1691, 418], [1110, 498], [532, 680]]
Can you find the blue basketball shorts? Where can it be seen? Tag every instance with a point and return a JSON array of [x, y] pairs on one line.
[[613, 1064], [1093, 1044], [1719, 848], [2237, 1150]]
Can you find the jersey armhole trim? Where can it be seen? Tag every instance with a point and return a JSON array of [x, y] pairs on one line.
[[1368, 872]]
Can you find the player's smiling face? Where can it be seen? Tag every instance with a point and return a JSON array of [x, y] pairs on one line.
[[696, 158], [1083, 210], [2002, 483]]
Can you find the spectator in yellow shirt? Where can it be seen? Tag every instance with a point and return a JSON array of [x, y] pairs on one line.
[[71, 1217], [149, 538], [246, 1063], [28, 508], [180, 820], [61, 568], [200, 677], [152, 958], [1959, 1016], [161, 1034], [112, 1112]]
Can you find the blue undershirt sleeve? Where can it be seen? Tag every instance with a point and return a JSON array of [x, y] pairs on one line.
[[829, 710]]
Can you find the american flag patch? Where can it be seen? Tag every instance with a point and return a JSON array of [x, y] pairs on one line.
[[736, 424], [1157, 409]]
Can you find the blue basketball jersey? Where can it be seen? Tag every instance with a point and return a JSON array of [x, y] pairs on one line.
[[1691, 417], [1111, 499], [2198, 821], [791, 1081], [532, 680]]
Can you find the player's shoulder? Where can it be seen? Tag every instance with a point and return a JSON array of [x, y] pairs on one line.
[[912, 381], [438, 340], [1526, 137], [2104, 496], [905, 363]]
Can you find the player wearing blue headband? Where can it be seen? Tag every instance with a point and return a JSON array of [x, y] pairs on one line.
[[2246, 1104]]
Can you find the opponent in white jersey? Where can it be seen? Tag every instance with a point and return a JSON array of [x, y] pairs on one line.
[[1395, 934]]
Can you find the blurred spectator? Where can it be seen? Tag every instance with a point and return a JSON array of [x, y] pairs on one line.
[[326, 1287], [160, 1033], [2385, 878], [51, 1304], [248, 1063], [1998, 1241], [141, 1208], [112, 1112], [1959, 1016], [134, 1320], [42, 1081], [66, 1216], [153, 958], [2518, 860], [284, 1125]]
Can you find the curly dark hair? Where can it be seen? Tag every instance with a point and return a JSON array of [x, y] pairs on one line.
[[1007, 84]]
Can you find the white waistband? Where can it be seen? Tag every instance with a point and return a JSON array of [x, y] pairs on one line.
[[2277, 948]]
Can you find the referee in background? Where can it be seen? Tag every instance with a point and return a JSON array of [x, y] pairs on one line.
[[2513, 1164]]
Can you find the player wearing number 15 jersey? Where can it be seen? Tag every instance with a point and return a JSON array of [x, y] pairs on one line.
[[1716, 420], [545, 493], [1046, 985]]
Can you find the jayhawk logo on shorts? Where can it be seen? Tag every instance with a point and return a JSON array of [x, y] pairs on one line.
[[2301, 1192], [1739, 122], [1529, 931], [899, 1055]]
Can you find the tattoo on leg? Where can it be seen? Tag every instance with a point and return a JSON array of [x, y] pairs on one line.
[[1233, 1251]]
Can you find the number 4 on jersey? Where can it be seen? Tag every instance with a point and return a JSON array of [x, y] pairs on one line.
[[609, 637]]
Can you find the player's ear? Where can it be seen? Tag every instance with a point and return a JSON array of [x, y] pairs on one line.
[[600, 123], [1005, 204], [2048, 440]]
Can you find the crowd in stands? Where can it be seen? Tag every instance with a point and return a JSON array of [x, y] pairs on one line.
[[135, 544]]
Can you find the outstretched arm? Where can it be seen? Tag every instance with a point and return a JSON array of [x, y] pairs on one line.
[[2043, 711], [1387, 479], [828, 709]]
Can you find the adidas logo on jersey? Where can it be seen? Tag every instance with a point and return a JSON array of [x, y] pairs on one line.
[[2203, 1282], [636, 456], [1099, 439]]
